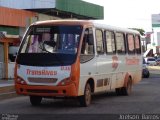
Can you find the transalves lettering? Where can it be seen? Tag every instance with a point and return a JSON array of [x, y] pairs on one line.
[[41, 72]]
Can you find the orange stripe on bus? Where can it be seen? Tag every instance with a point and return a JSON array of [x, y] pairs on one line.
[[75, 73]]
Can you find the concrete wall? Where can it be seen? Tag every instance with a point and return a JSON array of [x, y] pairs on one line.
[[42, 17], [1, 53], [21, 31], [1, 70], [1, 61], [11, 66], [158, 38]]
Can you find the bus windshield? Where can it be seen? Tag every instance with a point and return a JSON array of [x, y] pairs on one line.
[[52, 39], [50, 45]]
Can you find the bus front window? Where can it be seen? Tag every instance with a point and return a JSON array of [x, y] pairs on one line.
[[52, 39]]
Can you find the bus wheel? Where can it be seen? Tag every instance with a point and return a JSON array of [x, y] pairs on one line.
[[35, 100], [128, 89], [85, 100], [119, 91]]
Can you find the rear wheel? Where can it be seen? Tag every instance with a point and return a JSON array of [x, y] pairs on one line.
[[85, 100], [125, 90], [119, 91], [128, 89], [35, 100]]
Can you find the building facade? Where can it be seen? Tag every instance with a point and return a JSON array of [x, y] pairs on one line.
[[17, 15]]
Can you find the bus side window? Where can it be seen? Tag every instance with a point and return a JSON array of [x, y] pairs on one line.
[[99, 39], [84, 44], [137, 44], [120, 43], [87, 49], [88, 43], [110, 42], [131, 45]]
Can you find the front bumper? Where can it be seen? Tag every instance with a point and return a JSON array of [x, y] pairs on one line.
[[47, 91]]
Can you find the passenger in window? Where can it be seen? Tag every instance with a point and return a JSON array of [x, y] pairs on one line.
[[46, 37], [131, 43], [137, 44]]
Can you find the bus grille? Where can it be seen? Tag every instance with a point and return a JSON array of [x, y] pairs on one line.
[[42, 80]]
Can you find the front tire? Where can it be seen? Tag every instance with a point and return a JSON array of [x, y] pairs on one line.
[[85, 100], [35, 100]]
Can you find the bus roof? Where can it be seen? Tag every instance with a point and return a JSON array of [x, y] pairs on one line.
[[64, 22], [102, 25], [95, 23]]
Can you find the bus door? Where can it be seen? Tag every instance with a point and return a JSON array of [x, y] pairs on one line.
[[111, 58], [103, 63], [87, 59]]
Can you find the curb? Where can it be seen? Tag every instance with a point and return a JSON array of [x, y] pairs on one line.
[[5, 89], [8, 95], [7, 92], [154, 69]]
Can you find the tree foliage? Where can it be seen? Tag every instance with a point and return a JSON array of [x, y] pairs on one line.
[[141, 31]]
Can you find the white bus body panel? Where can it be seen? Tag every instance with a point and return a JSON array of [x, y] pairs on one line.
[[101, 68], [35, 73], [87, 70]]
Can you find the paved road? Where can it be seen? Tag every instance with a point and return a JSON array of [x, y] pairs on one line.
[[145, 99]]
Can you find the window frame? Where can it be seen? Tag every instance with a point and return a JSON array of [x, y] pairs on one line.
[[87, 57], [103, 46], [128, 51], [140, 50], [106, 50], [124, 43]]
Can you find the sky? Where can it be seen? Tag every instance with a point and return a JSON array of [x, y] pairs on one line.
[[129, 13]]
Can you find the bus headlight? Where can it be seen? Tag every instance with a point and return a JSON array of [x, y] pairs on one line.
[[19, 80], [65, 81]]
